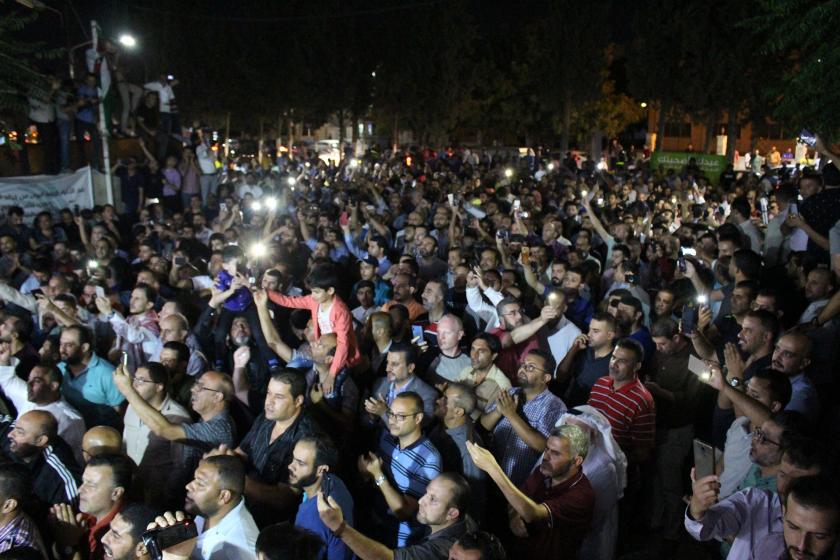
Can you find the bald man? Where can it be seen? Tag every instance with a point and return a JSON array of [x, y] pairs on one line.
[[33, 441], [174, 327], [792, 356], [99, 440]]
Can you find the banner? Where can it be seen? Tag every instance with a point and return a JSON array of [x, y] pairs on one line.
[[47, 192], [711, 165]]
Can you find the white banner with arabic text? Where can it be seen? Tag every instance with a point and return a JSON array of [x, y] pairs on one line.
[[47, 192]]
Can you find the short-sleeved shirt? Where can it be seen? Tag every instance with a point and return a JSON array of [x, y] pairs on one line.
[[410, 470], [514, 455], [92, 390], [204, 436], [630, 411], [570, 506], [488, 390]]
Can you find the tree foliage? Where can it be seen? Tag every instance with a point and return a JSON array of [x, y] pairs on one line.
[[20, 76]]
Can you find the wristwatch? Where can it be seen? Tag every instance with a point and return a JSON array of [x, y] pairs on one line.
[[380, 480], [736, 382]]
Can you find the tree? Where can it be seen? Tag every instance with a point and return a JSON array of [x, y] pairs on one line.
[[19, 77], [804, 34]]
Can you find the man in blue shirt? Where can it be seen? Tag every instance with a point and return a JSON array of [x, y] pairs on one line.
[[312, 460], [88, 379]]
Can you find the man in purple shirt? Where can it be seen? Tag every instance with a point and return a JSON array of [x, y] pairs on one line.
[[753, 516]]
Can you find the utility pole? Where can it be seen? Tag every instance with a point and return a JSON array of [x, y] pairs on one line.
[[103, 128]]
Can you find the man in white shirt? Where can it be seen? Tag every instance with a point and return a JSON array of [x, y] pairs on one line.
[[226, 529], [153, 454], [818, 289], [42, 392]]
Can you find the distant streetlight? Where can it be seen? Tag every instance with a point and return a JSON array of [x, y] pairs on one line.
[[128, 41], [643, 104]]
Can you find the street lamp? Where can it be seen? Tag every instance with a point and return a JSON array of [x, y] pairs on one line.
[[128, 41]]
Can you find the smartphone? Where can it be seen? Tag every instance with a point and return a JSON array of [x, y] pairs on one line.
[[222, 207], [326, 485], [170, 77], [100, 291], [124, 360], [517, 204], [699, 368], [689, 319], [37, 292], [630, 277], [158, 540], [416, 332], [794, 209], [526, 255], [681, 262], [451, 198], [704, 459], [180, 261], [807, 137]]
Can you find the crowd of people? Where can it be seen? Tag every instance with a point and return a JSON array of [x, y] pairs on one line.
[[371, 358]]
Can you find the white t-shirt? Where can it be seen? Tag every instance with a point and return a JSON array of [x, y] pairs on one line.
[[165, 95], [562, 340], [324, 324]]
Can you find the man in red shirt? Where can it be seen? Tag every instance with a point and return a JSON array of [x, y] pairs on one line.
[[551, 512], [626, 402]]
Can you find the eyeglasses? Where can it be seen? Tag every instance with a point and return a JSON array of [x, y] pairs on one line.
[[761, 437], [141, 381], [198, 388], [530, 368], [399, 417]]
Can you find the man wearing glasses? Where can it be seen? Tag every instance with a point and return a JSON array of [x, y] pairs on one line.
[[151, 453], [407, 461], [211, 395], [522, 418]]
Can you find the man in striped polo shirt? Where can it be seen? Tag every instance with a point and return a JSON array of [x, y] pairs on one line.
[[406, 463], [626, 402]]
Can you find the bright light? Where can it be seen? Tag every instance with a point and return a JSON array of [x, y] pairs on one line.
[[643, 104], [673, 200], [354, 163], [702, 299], [508, 172], [373, 74], [258, 250], [602, 166], [271, 203], [128, 41], [291, 181], [256, 206], [584, 193], [550, 167]]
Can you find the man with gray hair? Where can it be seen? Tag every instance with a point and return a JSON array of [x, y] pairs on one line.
[[553, 507]]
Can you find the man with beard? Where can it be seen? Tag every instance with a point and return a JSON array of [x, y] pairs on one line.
[[482, 375], [137, 335], [124, 539], [588, 359], [754, 517], [434, 302], [32, 441], [510, 318], [267, 448], [404, 288], [431, 266], [153, 454], [442, 508], [523, 417], [42, 391], [554, 506], [812, 521], [175, 357], [792, 356], [211, 396], [630, 317], [215, 496], [88, 385], [579, 309], [106, 481], [313, 459]]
